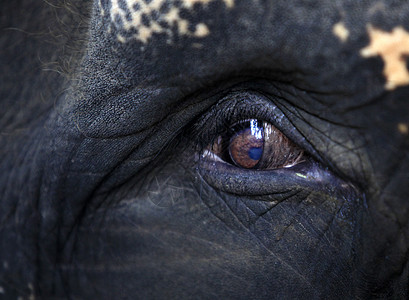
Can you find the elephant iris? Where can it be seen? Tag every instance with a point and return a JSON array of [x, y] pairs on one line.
[[255, 144], [246, 146]]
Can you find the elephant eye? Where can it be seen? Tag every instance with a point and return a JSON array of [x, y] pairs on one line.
[[256, 144]]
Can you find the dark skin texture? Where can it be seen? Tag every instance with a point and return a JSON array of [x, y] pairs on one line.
[[106, 193]]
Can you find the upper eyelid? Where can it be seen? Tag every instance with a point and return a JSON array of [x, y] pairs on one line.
[[241, 105]]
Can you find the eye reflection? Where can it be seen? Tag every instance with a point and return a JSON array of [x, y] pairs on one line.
[[254, 144]]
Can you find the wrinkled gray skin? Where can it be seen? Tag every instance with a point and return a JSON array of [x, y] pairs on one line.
[[105, 193]]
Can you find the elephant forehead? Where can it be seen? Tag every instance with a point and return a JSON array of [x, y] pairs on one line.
[[333, 45], [142, 18]]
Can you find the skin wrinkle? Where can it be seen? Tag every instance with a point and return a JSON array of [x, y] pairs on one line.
[[138, 227], [327, 228], [291, 220], [140, 145], [175, 190], [314, 229], [315, 114], [297, 109], [304, 279], [292, 223], [72, 230], [165, 232], [275, 204], [303, 134], [291, 268], [298, 222], [334, 142]]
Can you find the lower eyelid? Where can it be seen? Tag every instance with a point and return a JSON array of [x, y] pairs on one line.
[[230, 179]]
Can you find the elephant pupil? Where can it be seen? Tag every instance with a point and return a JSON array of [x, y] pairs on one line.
[[255, 153]]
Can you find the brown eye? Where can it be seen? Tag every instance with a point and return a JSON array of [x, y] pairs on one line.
[[246, 146], [253, 144]]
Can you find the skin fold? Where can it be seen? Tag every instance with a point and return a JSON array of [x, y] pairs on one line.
[[109, 108]]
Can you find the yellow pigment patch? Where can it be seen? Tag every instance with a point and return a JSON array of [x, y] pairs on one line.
[[141, 18], [341, 31], [201, 30], [403, 128], [392, 47], [190, 3]]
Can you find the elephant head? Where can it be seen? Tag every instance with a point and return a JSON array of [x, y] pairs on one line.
[[204, 149]]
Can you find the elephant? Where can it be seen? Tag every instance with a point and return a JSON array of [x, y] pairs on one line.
[[239, 149]]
